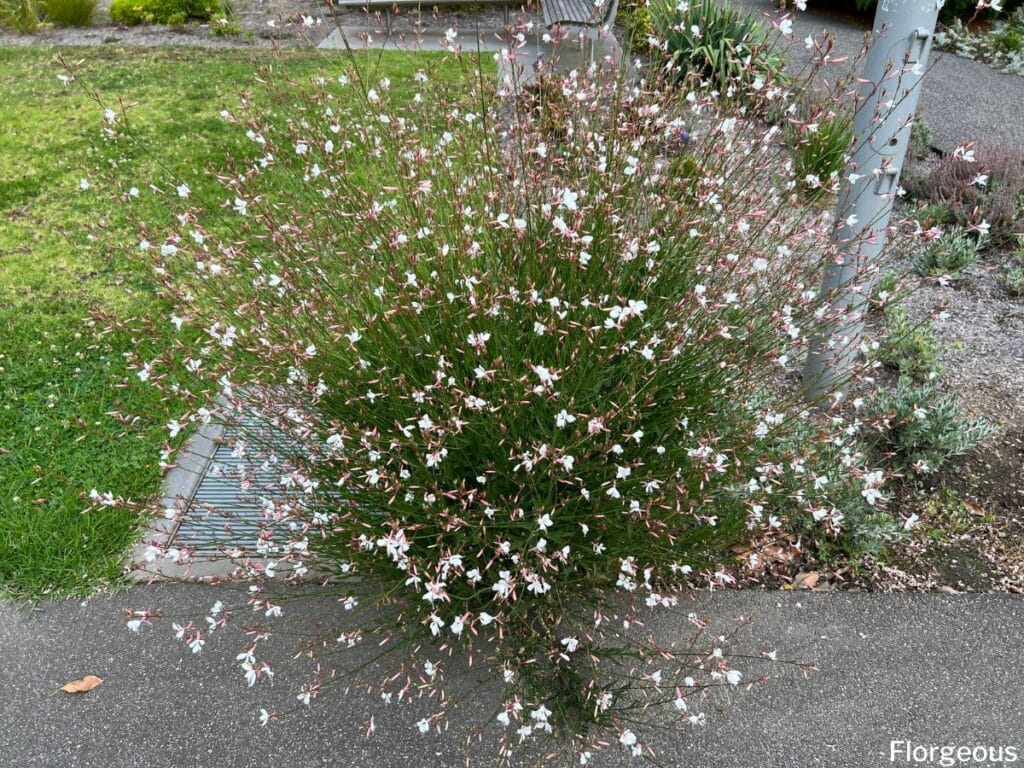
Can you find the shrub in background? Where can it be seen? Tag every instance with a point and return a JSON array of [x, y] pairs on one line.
[[922, 426], [1001, 45], [1013, 281], [983, 184], [910, 347], [69, 13], [516, 385], [948, 254], [721, 43], [22, 16], [635, 17], [130, 12], [951, 10], [920, 146]]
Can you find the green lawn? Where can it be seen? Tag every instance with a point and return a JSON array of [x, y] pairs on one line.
[[75, 307]]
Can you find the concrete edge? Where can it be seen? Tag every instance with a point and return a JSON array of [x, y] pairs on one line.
[[178, 489]]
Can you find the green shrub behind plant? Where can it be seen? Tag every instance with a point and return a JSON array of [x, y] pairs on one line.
[[21, 16], [951, 9], [910, 347], [722, 44], [948, 254], [923, 427], [131, 12], [635, 17], [69, 13]]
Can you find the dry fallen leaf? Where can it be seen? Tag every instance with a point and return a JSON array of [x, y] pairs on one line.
[[805, 580], [84, 685], [974, 509]]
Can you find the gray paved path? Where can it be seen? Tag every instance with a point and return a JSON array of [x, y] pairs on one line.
[[933, 669], [962, 99]]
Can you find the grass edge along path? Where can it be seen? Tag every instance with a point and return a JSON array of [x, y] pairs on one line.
[[74, 415]]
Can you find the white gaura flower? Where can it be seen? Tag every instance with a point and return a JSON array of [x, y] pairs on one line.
[[183, 190], [546, 375]]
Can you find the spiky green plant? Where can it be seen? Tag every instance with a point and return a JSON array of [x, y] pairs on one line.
[[820, 154], [722, 44]]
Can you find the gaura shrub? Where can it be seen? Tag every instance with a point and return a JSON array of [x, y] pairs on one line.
[[503, 391]]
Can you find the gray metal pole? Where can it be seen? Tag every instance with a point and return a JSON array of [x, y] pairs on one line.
[[889, 94]]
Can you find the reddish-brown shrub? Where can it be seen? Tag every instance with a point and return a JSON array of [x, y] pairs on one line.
[[991, 189]]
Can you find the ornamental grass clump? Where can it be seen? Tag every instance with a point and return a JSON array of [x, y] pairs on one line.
[[728, 46], [501, 390]]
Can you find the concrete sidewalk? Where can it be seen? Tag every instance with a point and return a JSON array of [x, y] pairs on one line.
[[930, 669]]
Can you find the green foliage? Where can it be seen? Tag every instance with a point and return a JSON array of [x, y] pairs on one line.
[[21, 16], [223, 26], [173, 12], [635, 17], [922, 426], [951, 9], [728, 37], [920, 139], [69, 13], [861, 529], [948, 254], [1001, 45], [935, 214], [820, 155], [1013, 281], [911, 348]]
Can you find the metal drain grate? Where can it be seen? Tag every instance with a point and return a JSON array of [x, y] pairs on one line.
[[221, 514]]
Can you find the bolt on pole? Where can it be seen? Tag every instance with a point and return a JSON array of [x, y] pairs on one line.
[[889, 92]]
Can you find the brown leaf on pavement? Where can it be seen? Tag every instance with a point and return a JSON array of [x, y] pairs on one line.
[[83, 685]]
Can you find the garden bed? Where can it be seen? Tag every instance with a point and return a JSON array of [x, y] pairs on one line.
[[267, 23]]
